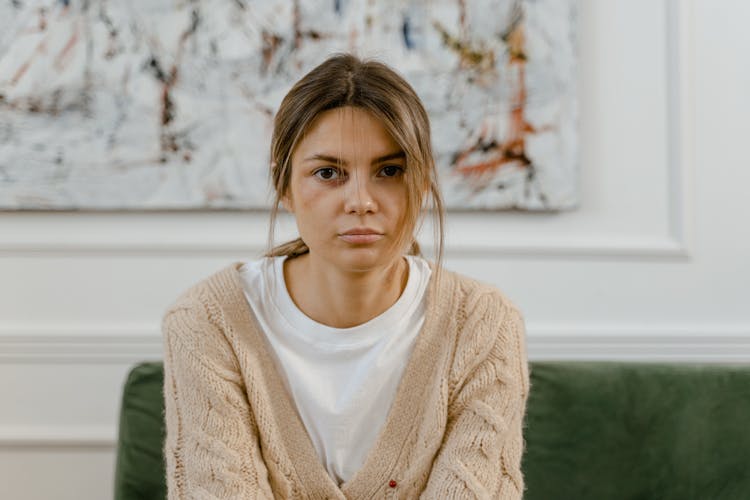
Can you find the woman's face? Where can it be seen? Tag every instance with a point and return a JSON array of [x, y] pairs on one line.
[[348, 180]]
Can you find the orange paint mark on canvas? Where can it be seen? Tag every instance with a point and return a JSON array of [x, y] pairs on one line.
[[513, 148], [63, 57]]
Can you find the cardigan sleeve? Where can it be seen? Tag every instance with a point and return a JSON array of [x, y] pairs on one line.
[[480, 456], [212, 448]]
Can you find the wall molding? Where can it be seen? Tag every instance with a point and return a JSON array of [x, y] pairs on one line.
[[639, 342], [464, 243], [74, 344], [29, 234], [58, 436], [681, 123]]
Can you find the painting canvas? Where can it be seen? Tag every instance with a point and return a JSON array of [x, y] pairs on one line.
[[168, 104]]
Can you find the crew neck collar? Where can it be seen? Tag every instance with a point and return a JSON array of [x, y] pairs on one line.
[[319, 335]]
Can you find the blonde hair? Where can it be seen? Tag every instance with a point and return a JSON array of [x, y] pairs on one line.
[[346, 80]]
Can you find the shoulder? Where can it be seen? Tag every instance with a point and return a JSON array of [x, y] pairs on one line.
[[476, 297], [208, 290], [196, 318], [486, 324]]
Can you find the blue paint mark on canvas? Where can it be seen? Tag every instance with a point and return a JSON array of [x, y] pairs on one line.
[[406, 30]]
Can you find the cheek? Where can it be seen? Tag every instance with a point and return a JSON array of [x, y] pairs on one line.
[[314, 210], [397, 201], [310, 198]]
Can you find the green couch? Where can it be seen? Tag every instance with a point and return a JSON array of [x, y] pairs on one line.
[[594, 430]]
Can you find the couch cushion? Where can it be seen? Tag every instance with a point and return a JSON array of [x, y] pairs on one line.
[[606, 430], [140, 471]]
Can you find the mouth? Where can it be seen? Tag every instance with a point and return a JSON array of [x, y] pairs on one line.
[[361, 235]]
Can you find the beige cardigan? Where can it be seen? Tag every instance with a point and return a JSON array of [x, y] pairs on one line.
[[454, 429]]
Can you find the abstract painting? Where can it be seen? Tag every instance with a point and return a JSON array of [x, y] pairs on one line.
[[169, 104]]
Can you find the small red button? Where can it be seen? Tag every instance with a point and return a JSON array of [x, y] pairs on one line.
[[392, 483]]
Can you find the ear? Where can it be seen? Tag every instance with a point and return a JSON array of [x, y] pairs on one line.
[[286, 201]]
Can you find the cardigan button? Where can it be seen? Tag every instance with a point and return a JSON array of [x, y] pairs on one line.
[[392, 483]]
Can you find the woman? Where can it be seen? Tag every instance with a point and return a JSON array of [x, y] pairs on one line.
[[343, 364]]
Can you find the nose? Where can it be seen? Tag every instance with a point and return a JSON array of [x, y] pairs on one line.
[[359, 199]]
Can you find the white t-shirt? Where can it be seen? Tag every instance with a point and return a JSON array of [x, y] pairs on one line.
[[342, 380]]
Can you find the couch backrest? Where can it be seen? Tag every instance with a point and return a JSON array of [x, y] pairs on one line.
[[593, 430], [139, 470], [599, 430]]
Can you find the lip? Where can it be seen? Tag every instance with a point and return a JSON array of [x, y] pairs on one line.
[[361, 235], [361, 230]]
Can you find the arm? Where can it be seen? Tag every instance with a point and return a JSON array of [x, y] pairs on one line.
[[211, 449], [480, 456]]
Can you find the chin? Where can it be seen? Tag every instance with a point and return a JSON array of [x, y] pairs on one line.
[[360, 258]]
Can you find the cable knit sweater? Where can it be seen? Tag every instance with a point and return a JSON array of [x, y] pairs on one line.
[[454, 429]]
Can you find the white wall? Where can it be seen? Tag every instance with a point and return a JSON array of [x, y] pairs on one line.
[[652, 267]]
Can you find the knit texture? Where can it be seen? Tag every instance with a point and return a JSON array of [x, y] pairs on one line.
[[454, 430]]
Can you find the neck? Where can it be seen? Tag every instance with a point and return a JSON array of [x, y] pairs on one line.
[[342, 299]]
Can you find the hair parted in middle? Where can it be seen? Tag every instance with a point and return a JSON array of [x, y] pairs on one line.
[[344, 79]]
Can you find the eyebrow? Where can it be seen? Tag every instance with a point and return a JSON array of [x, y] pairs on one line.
[[339, 161]]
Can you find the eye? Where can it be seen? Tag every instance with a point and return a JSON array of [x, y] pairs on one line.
[[327, 173], [392, 170]]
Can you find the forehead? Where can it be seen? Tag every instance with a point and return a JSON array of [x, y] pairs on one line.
[[347, 132]]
